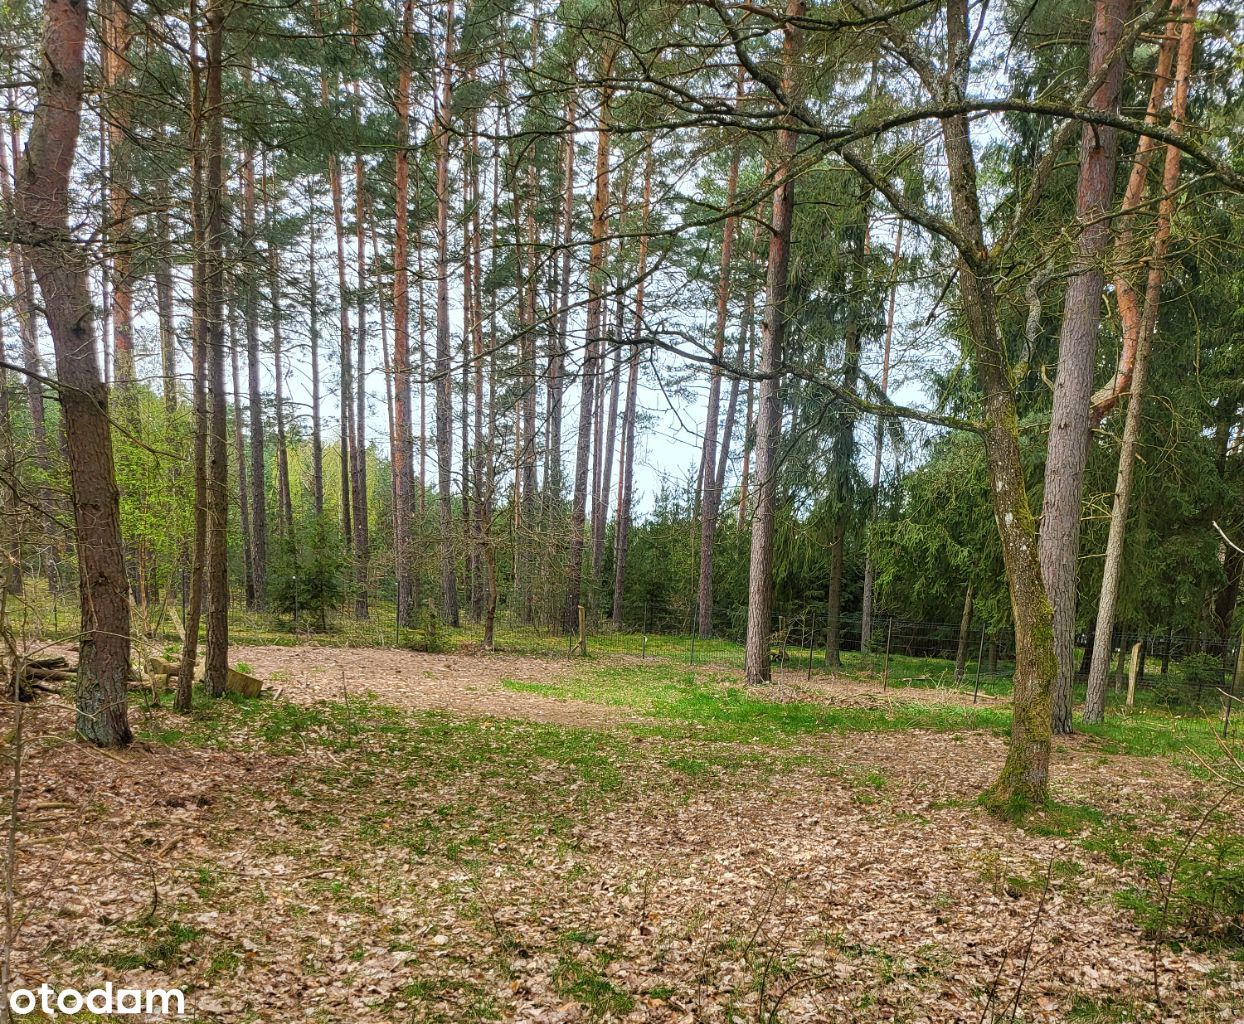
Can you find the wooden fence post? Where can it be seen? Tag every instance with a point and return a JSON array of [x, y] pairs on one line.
[[1132, 670], [885, 675], [582, 632]]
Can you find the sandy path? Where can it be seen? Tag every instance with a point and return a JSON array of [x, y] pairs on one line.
[[466, 683]]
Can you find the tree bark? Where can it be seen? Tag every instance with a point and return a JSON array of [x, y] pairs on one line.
[[1095, 700], [358, 446], [965, 628], [250, 293], [843, 459], [444, 382], [32, 362], [711, 503], [199, 312], [11, 555], [626, 470], [1024, 779], [114, 63], [1067, 450], [558, 336], [164, 309], [313, 327], [769, 414], [870, 565], [216, 656], [403, 453], [239, 445], [578, 509], [59, 265], [285, 497]]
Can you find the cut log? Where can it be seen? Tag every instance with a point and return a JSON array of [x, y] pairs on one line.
[[162, 666], [242, 684], [52, 661]]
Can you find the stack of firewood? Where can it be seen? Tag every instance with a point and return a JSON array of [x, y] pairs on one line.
[[34, 674]]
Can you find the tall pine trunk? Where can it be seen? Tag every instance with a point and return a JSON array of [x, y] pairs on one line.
[[403, 454], [59, 265], [583, 446], [711, 503], [313, 330], [874, 495], [216, 657], [444, 380], [358, 445], [250, 299], [199, 330], [285, 497], [626, 468], [769, 415], [843, 459]]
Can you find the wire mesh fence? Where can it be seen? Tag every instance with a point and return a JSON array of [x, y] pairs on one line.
[[897, 649]]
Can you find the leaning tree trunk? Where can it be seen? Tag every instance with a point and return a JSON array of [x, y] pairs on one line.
[[769, 415], [32, 364], [1095, 700], [1077, 356], [11, 553], [1024, 778], [59, 264]]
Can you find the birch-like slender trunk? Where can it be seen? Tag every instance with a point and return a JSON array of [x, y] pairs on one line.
[[1095, 701]]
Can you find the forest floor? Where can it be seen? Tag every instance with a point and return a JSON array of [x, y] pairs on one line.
[[390, 836]]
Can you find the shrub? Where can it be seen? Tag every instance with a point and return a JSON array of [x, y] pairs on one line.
[[308, 576], [1202, 671]]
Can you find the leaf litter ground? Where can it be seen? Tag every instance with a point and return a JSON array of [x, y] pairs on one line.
[[404, 837]]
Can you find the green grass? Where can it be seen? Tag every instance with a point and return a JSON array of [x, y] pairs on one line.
[[683, 703]]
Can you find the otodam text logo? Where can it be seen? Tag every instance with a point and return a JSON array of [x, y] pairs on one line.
[[105, 1000]]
